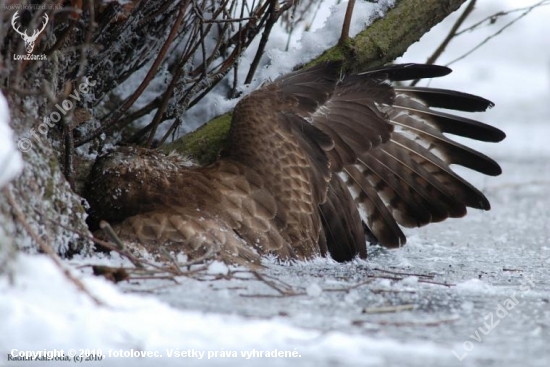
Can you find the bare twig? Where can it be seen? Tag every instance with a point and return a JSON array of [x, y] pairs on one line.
[[529, 9], [491, 19], [106, 227], [274, 14], [44, 247], [404, 274], [408, 323], [389, 309], [110, 123], [284, 289], [419, 280], [66, 32], [452, 33], [69, 152], [344, 36], [171, 259], [117, 248], [231, 20]]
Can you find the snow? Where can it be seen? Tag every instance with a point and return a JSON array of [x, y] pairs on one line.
[[41, 311], [314, 290], [314, 43], [463, 271], [278, 61], [11, 162]]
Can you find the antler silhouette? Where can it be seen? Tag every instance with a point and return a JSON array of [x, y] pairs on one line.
[[15, 16], [29, 40]]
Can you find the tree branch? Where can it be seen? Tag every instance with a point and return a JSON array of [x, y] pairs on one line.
[[381, 43]]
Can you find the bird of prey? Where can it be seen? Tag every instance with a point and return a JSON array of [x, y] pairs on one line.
[[315, 161]]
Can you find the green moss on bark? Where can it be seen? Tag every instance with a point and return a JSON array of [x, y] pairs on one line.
[[205, 143], [381, 43]]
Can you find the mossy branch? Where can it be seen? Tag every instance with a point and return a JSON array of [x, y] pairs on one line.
[[381, 43], [203, 144]]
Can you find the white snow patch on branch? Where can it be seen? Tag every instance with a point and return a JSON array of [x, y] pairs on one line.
[[313, 44], [281, 61]]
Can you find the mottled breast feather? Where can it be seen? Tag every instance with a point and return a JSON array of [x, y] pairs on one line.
[[315, 161]]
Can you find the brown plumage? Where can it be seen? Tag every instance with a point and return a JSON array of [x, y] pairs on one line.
[[311, 157]]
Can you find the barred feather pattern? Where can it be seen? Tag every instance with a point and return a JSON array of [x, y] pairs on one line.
[[316, 160]]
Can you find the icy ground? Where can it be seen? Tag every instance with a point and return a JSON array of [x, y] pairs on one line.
[[330, 314]]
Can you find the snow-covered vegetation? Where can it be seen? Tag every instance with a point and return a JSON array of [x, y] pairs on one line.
[[427, 304]]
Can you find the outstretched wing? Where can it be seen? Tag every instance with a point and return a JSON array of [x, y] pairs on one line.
[[390, 150], [312, 157]]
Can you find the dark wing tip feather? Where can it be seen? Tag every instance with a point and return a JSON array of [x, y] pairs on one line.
[[449, 99], [468, 128], [403, 72], [416, 187], [483, 164], [447, 123]]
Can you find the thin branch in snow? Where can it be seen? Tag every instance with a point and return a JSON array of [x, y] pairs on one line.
[[110, 123], [378, 290], [419, 280], [452, 33], [389, 309], [284, 289], [404, 274], [121, 250], [527, 11], [491, 19], [349, 288], [45, 247], [513, 270], [172, 261], [209, 255], [142, 266], [408, 323], [106, 227], [274, 13]]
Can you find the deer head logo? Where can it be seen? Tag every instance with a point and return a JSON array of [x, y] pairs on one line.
[[29, 40]]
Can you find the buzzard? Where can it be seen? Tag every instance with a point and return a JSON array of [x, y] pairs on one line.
[[315, 161]]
